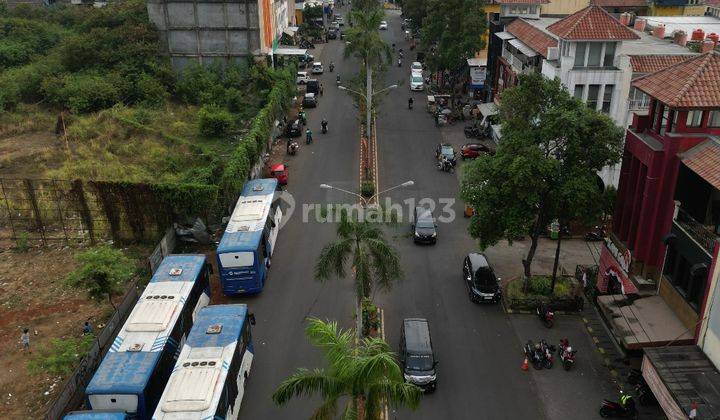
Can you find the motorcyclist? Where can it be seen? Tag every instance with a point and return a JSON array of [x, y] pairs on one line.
[[400, 54], [291, 144], [393, 47], [444, 163], [627, 402], [301, 116], [308, 136], [337, 79], [410, 103], [399, 62], [332, 66], [324, 125]]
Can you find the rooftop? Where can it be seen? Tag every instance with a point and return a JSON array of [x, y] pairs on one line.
[[704, 160], [522, 1], [591, 23], [533, 37], [619, 3], [694, 83], [652, 63], [688, 24]]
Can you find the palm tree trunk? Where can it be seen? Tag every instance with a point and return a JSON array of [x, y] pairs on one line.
[[368, 98], [359, 317]]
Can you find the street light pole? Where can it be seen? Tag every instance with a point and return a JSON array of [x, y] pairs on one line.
[[363, 200], [368, 100]]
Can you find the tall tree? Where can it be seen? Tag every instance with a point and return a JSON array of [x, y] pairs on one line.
[[103, 272], [365, 43], [366, 372], [375, 264], [453, 31], [545, 167]]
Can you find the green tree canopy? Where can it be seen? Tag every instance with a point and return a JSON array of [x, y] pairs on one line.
[[366, 372], [453, 31], [103, 272], [545, 167]]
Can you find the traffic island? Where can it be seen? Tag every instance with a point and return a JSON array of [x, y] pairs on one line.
[[565, 298]]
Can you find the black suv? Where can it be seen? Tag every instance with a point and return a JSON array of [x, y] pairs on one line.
[[416, 354], [480, 279], [294, 128], [424, 228]]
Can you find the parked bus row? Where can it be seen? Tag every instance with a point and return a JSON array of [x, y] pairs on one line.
[[175, 356]]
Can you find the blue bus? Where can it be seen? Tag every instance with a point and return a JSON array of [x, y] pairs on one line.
[[134, 372], [96, 415], [246, 247], [209, 378]]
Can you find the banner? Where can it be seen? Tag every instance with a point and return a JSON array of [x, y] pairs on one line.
[[477, 76]]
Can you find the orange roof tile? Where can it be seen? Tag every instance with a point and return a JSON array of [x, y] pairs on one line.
[[531, 36], [653, 63], [704, 160], [620, 3], [693, 83], [591, 23]]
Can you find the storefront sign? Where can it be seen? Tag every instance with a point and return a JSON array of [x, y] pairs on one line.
[[477, 75], [623, 258]]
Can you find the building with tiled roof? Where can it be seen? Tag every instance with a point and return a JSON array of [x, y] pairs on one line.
[[667, 223], [531, 36], [694, 83], [646, 64], [592, 23]]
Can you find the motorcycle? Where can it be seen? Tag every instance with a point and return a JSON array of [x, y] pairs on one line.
[[410, 104], [445, 166], [547, 353], [302, 117], [399, 62], [304, 43], [534, 354], [595, 235], [332, 67], [546, 315], [472, 131], [337, 80], [615, 409], [293, 148], [324, 129], [567, 354]]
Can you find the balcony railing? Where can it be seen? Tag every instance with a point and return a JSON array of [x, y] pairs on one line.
[[516, 63], [702, 234], [639, 104]]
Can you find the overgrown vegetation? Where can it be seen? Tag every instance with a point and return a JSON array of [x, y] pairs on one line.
[[103, 272], [128, 116], [539, 287], [60, 356]]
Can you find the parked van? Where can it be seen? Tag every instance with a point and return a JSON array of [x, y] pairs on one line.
[[312, 86], [416, 354]]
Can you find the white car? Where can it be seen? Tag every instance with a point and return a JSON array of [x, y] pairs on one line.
[[383, 25], [317, 68], [416, 66], [416, 81], [301, 77], [340, 21]]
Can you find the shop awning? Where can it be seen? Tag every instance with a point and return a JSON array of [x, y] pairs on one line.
[[523, 48], [488, 109], [504, 35], [477, 62], [290, 51], [681, 376], [291, 30]]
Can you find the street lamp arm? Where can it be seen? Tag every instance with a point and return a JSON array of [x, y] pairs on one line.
[[350, 90], [387, 88], [403, 185], [331, 187]]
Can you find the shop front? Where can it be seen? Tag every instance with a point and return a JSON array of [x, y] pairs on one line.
[[614, 269]]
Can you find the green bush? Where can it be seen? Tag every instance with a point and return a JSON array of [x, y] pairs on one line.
[[215, 121], [60, 356], [82, 92], [103, 272], [539, 288], [367, 189]]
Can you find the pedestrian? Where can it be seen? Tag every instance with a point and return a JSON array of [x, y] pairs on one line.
[[87, 328], [437, 118], [25, 340], [321, 89]]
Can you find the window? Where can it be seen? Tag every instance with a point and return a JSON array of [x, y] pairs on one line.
[[638, 99], [579, 89], [607, 98], [657, 109], [609, 54], [714, 120], [665, 125], [592, 97], [594, 54], [580, 54], [694, 118], [565, 48]]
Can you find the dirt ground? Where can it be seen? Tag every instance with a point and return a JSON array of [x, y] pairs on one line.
[[31, 153], [32, 296]]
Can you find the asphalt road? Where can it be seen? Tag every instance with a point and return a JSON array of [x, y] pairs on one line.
[[291, 293], [477, 347]]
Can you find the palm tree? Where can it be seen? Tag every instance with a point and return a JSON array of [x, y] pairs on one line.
[[365, 372], [374, 262], [365, 43]]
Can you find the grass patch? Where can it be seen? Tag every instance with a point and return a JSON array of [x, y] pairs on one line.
[[60, 356], [539, 288]]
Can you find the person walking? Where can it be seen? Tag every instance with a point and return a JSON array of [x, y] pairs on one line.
[[87, 328], [25, 340], [321, 89]]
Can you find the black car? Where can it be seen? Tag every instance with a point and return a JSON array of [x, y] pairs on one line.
[[294, 128], [445, 149], [332, 33], [309, 101], [312, 86], [424, 228], [417, 355], [480, 279]]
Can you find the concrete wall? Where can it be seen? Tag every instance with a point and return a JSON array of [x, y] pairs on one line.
[[685, 313], [206, 31]]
